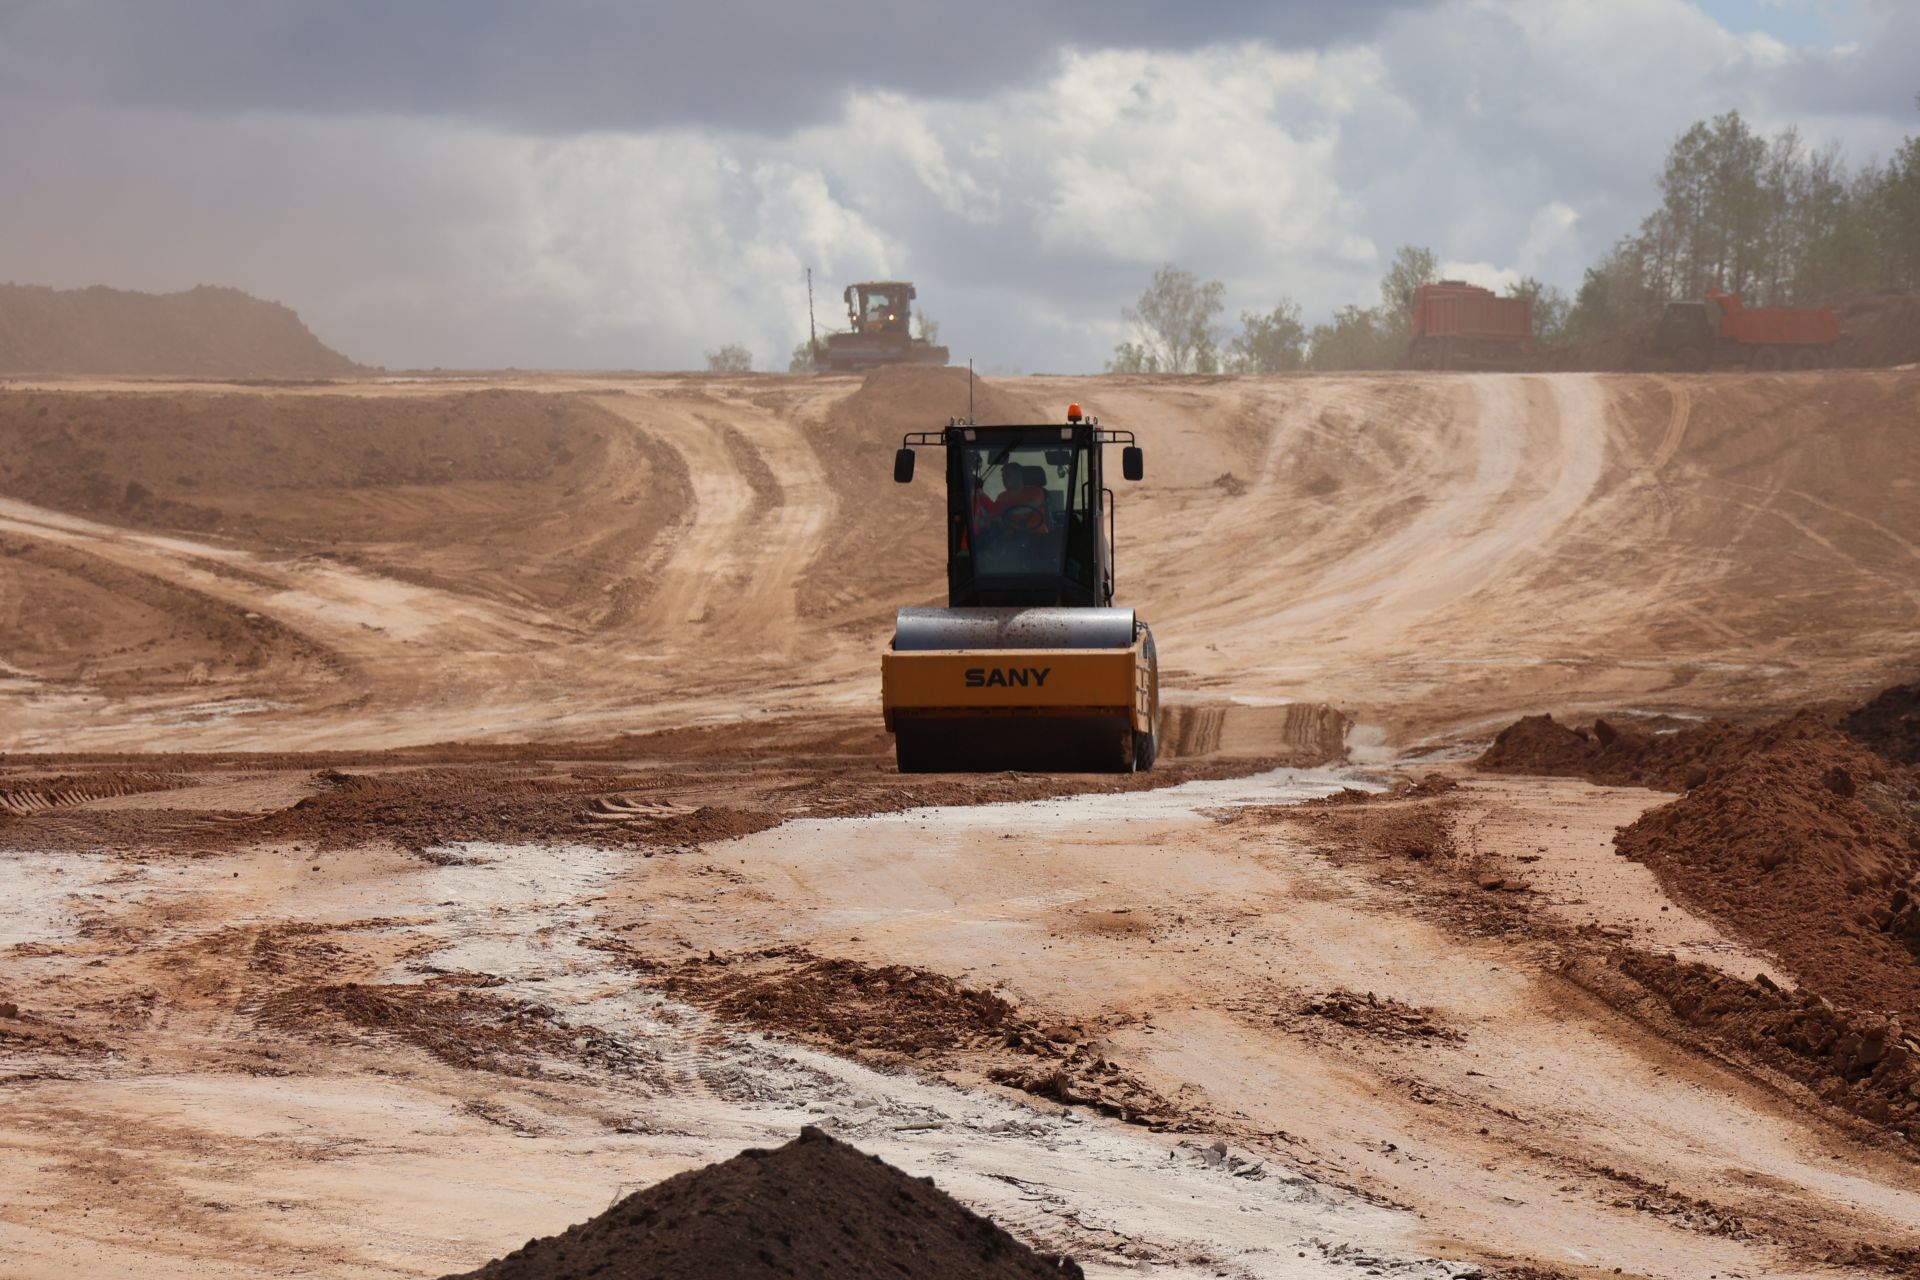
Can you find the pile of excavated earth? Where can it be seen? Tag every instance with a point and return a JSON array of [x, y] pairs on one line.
[[812, 1208], [442, 815], [207, 332], [1803, 838]]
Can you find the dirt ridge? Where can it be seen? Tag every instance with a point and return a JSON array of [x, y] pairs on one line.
[[203, 331]]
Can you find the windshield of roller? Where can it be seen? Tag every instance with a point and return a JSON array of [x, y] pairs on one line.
[[1029, 512]]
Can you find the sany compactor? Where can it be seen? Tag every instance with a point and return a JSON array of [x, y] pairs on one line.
[[1030, 665]]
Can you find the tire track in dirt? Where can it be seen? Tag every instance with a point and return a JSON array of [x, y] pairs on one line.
[[336, 604], [1414, 547], [761, 502], [1486, 489], [371, 636], [695, 557], [1676, 433]]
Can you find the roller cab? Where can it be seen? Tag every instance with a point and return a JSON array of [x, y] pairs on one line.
[[1030, 666]]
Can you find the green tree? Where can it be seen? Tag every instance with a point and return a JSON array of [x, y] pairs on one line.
[[1356, 338], [1133, 357], [1712, 227], [802, 360], [732, 358], [1271, 343], [1550, 308], [1412, 266], [929, 327], [1897, 203], [1173, 320]]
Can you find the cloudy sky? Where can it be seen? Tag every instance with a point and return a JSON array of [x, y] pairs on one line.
[[589, 183]]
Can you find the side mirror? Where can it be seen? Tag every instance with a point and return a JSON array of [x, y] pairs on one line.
[[1133, 463], [903, 466]]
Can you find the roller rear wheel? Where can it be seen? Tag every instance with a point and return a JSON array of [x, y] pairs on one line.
[[1028, 744], [1146, 746]]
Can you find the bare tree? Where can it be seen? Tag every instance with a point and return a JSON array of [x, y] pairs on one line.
[[1174, 320]]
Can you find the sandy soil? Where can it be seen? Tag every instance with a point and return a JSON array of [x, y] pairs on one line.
[[391, 1008], [551, 557]]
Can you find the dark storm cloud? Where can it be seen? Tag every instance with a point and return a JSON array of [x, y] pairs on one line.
[[760, 65]]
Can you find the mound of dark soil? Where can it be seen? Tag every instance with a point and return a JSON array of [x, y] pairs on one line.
[[1867, 1063], [1797, 836], [1877, 329], [1808, 847], [1617, 755], [203, 332], [813, 1208], [1890, 724]]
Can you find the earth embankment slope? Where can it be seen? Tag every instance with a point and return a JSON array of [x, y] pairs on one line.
[[1434, 553], [1423, 550], [200, 332]]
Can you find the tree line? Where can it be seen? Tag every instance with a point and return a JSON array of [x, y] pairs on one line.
[[1767, 218]]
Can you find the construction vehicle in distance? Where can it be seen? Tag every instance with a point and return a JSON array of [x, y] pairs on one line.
[[1720, 331], [1456, 325], [1030, 665], [879, 316]]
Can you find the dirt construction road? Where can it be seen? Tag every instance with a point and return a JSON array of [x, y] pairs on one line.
[[325, 998]]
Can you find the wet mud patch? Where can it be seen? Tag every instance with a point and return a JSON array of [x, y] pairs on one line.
[[898, 1015], [1408, 825], [660, 794], [25, 1033], [473, 1030]]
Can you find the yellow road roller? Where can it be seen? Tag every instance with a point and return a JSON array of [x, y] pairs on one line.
[[1031, 665]]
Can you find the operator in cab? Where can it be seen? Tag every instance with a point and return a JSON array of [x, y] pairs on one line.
[[1021, 506]]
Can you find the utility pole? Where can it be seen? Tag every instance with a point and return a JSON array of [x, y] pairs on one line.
[[813, 337]]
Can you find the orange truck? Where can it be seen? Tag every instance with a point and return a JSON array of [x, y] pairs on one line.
[[1720, 331], [1456, 325]]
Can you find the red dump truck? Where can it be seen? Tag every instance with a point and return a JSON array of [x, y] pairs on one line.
[[1456, 325], [1720, 331]]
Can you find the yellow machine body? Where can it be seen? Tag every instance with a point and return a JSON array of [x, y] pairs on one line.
[[1030, 665], [985, 683]]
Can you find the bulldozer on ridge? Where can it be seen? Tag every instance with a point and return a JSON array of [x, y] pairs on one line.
[[879, 315], [1030, 665]]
